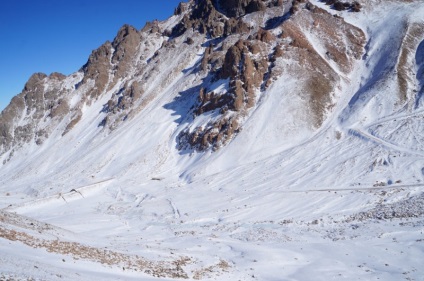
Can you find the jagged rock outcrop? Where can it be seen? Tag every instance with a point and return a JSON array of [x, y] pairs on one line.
[[22, 120], [126, 45], [97, 69], [207, 19], [111, 58], [238, 8], [410, 83], [244, 74], [251, 64], [55, 102], [181, 8]]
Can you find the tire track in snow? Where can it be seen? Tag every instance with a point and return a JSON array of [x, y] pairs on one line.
[[73, 194], [369, 137], [175, 209], [387, 187]]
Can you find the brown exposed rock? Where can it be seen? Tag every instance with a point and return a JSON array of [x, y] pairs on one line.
[[339, 6], [150, 27], [136, 91], [57, 76], [265, 36], [7, 118], [20, 120], [120, 52], [261, 67], [209, 101], [317, 79], [319, 84], [73, 122], [189, 41], [121, 104], [126, 45], [344, 43], [238, 91], [278, 53], [231, 65], [34, 80], [356, 7], [291, 31], [34, 98], [182, 8], [16, 228], [245, 76], [330, 2], [60, 109], [254, 48], [206, 58], [320, 89], [235, 26], [216, 135], [41, 136], [238, 8], [97, 69], [24, 133], [405, 75], [204, 17], [42, 102], [255, 6], [294, 7], [208, 17]]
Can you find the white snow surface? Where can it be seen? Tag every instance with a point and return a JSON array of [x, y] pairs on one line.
[[280, 202]]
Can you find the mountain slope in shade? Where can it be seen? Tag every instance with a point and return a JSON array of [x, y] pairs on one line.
[[237, 140]]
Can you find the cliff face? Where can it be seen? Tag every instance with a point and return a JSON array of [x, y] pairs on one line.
[[237, 49], [251, 64], [24, 120]]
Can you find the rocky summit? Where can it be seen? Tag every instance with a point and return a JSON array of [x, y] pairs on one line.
[[236, 140]]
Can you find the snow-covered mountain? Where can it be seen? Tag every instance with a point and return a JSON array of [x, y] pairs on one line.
[[237, 140]]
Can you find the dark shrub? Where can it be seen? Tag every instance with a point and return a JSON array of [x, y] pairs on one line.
[[356, 7], [339, 6], [189, 41], [255, 6]]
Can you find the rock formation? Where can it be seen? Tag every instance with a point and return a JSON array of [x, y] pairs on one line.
[[238, 49]]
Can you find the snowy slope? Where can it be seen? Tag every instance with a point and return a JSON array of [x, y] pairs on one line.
[[282, 200]]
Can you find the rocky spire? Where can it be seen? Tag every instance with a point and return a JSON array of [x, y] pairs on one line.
[[238, 8], [218, 18]]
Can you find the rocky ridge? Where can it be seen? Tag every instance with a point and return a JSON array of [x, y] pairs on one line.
[[256, 59], [246, 46]]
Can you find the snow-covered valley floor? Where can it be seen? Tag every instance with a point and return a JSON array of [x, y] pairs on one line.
[[215, 227]]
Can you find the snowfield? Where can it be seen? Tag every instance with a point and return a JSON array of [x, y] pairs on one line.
[[279, 202]]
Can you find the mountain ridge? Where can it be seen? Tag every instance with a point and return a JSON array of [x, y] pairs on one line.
[[124, 47], [213, 111]]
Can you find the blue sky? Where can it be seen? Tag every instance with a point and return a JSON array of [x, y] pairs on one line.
[[59, 35]]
